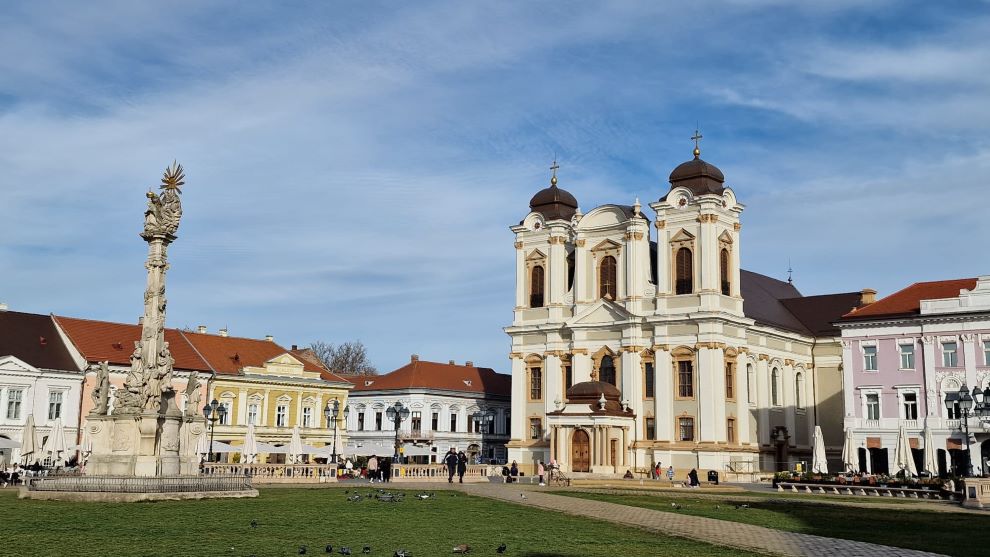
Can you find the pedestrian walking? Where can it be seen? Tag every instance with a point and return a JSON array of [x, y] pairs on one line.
[[693, 478], [656, 471], [451, 461], [540, 470], [372, 468], [386, 470], [461, 466], [670, 474]]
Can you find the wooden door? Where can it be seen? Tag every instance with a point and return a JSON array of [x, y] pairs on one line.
[[613, 452], [580, 452]]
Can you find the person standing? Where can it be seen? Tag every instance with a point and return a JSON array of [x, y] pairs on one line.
[[656, 472], [451, 461], [386, 470], [693, 478], [461, 466], [670, 474], [372, 468], [540, 470]]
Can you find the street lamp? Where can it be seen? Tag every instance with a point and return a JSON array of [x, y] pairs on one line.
[[331, 412], [965, 401], [483, 419], [213, 412], [397, 413]]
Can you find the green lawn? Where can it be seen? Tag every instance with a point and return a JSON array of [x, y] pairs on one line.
[[948, 533], [289, 518]]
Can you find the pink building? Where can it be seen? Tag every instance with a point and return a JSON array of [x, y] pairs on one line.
[[901, 355]]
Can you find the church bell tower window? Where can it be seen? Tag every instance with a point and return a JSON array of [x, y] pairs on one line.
[[724, 270], [536, 283], [606, 371], [685, 272], [607, 278]]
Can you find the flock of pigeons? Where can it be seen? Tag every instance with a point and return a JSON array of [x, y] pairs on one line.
[[386, 497]]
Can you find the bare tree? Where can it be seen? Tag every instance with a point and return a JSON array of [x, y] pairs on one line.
[[346, 358]]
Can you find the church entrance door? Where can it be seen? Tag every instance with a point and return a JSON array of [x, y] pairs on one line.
[[580, 452]]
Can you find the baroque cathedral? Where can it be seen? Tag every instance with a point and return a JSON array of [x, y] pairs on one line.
[[638, 341]]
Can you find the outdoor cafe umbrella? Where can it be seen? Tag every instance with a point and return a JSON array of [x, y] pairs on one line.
[[903, 458], [86, 447], [249, 451], [931, 464], [203, 445], [295, 449], [55, 446], [8, 443], [29, 442], [849, 456], [819, 464]]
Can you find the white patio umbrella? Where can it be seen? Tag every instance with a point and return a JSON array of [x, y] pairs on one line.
[[8, 443], [903, 458], [3, 461], [819, 464], [849, 456], [271, 449], [221, 447], [249, 451], [295, 448], [55, 446], [931, 462], [85, 448], [30, 449]]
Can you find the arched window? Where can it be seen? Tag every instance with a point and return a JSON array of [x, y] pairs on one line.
[[606, 370], [535, 383], [684, 283], [799, 390], [724, 270], [775, 387], [536, 287], [607, 277]]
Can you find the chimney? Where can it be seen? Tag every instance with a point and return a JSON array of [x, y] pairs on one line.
[[450, 362], [269, 338], [414, 358], [294, 347], [201, 329], [869, 296], [222, 332], [141, 320], [469, 363], [3, 306]]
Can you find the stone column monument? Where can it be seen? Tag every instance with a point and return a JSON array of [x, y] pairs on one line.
[[147, 434]]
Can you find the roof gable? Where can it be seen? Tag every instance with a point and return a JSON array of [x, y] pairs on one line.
[[35, 340], [907, 301]]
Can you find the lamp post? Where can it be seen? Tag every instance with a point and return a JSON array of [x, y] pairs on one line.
[[965, 401], [331, 412], [397, 413], [213, 412], [981, 408], [483, 420]]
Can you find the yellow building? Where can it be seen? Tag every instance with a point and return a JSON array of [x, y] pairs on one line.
[[261, 383]]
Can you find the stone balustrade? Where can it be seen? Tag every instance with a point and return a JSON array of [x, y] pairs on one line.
[[274, 473], [438, 472], [865, 490]]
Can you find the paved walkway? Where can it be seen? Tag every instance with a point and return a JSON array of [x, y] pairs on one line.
[[708, 530]]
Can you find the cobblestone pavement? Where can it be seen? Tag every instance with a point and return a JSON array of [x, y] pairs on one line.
[[709, 530]]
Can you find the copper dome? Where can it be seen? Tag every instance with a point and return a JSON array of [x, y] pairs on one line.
[[554, 203], [593, 390], [698, 176]]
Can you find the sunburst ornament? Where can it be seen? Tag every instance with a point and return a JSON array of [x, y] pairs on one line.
[[173, 177]]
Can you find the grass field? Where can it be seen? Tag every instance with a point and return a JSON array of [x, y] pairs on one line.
[[947, 533], [290, 518]]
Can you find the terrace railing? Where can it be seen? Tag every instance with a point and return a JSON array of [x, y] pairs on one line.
[[273, 473], [138, 484]]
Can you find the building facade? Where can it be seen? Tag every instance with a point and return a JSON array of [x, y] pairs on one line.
[[450, 406], [38, 378], [711, 366], [901, 356]]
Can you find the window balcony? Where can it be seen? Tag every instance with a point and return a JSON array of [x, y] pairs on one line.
[[909, 424], [871, 424]]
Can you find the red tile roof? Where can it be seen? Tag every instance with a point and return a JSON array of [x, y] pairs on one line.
[[99, 341], [229, 355], [35, 340], [306, 355], [907, 302], [420, 374]]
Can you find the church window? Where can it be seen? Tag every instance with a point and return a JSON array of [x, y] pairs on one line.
[[685, 429], [252, 413], [606, 370], [651, 429], [360, 424], [535, 428], [685, 379], [730, 430], [281, 415], [378, 421], [536, 282], [799, 391], [775, 387], [750, 382], [724, 270], [730, 382], [568, 377], [607, 278], [307, 420], [650, 378], [684, 283], [54, 404], [535, 383], [435, 421], [570, 270]]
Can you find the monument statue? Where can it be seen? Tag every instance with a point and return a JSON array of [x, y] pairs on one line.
[[193, 395], [101, 390]]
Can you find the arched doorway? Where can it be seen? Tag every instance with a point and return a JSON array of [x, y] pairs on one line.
[[580, 451]]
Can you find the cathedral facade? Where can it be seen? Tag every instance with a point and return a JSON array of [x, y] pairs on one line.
[[638, 339]]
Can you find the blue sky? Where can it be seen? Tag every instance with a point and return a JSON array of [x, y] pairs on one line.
[[353, 167]]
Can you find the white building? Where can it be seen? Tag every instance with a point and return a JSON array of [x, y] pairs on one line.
[[37, 377], [450, 406], [709, 366]]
